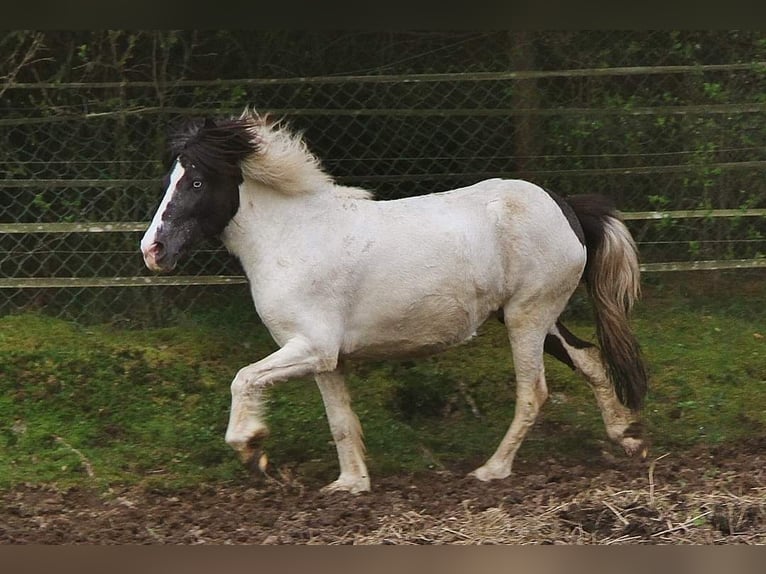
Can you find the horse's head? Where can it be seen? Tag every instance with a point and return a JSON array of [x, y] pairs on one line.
[[201, 191]]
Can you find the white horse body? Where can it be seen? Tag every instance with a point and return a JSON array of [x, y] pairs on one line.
[[391, 278], [335, 275]]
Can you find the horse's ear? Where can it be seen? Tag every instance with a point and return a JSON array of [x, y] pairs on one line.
[[209, 123]]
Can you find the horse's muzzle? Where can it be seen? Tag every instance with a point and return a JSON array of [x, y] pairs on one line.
[[156, 257]]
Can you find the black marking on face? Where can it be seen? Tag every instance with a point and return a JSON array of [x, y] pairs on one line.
[[206, 196], [203, 202]]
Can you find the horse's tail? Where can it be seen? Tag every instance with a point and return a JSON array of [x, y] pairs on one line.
[[612, 276]]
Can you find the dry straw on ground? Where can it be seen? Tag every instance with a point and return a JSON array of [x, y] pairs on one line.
[[705, 496]]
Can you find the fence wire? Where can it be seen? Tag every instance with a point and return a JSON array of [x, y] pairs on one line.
[[676, 138]]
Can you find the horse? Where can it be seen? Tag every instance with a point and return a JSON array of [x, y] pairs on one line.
[[336, 276]]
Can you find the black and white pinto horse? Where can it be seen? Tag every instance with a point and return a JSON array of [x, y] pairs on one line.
[[336, 276]]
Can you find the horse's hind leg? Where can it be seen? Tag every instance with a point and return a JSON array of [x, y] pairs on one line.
[[527, 335], [346, 432], [622, 425]]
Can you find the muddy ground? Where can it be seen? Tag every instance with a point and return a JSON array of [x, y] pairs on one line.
[[704, 496]]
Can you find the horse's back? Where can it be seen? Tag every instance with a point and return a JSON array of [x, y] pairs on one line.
[[513, 225]]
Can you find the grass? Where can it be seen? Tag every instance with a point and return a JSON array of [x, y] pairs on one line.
[[104, 405]]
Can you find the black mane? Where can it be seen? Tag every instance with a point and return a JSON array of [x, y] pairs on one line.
[[214, 147]]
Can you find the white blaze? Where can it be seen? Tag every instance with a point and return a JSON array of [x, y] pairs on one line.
[[150, 237]]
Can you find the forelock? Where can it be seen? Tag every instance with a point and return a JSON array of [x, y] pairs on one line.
[[214, 147]]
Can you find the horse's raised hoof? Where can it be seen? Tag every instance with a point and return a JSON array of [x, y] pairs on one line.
[[633, 442], [257, 463], [251, 454]]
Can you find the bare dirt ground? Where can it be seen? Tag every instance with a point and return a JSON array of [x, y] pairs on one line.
[[705, 496]]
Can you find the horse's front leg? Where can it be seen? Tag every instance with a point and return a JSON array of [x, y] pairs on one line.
[[346, 432], [247, 428]]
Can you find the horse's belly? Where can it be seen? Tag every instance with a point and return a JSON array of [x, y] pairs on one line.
[[427, 326]]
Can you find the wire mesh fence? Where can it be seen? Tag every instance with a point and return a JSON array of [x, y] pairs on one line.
[[670, 125]]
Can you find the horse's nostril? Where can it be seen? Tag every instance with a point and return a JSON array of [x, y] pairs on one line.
[[154, 255], [157, 250]]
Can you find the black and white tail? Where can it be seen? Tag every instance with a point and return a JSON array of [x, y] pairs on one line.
[[612, 276]]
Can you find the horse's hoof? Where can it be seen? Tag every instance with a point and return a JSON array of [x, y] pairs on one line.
[[258, 462], [485, 474], [633, 442], [356, 486], [251, 453]]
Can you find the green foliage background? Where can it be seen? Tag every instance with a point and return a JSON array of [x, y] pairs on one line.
[[657, 120]]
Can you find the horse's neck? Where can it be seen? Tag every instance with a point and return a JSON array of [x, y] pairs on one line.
[[265, 216]]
